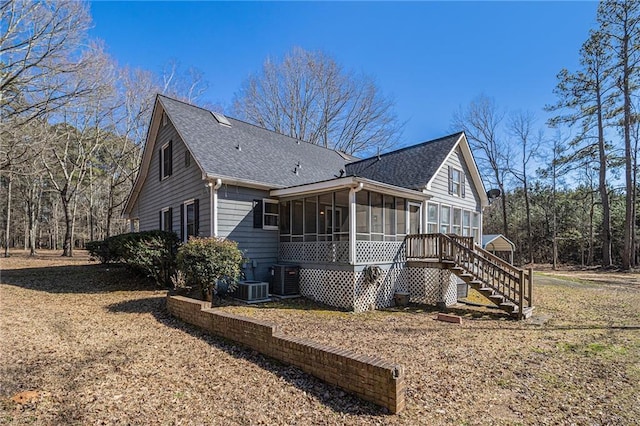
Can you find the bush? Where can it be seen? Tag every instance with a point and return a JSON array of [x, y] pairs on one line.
[[151, 253], [210, 264]]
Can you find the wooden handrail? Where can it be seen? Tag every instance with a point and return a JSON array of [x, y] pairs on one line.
[[515, 284]]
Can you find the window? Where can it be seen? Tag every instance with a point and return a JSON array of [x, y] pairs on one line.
[[457, 221], [466, 223], [456, 182], [445, 219], [475, 227], [325, 214], [389, 218], [377, 226], [166, 219], [297, 219], [190, 219], [166, 160], [401, 213], [362, 215], [270, 214], [187, 158], [265, 214], [432, 218], [285, 221], [310, 220], [341, 215], [164, 119]]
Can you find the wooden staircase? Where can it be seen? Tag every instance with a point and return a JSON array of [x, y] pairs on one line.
[[509, 287]]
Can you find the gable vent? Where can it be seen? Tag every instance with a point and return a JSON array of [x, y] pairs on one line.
[[221, 119]]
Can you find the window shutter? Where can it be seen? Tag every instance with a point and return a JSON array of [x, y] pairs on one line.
[[182, 224], [462, 183], [160, 162], [257, 213], [170, 155], [196, 214], [160, 221], [450, 180], [170, 218]]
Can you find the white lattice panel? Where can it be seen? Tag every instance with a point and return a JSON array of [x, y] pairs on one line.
[[379, 294], [334, 288], [451, 292], [431, 286], [380, 251], [315, 251]]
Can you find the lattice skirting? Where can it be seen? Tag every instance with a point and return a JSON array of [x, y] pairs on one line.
[[347, 289], [431, 286], [334, 288], [379, 294]]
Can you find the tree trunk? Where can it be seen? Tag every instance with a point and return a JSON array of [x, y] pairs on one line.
[[628, 217], [67, 249], [8, 226]]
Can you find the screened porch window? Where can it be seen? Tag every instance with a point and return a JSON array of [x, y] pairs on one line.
[[321, 218], [445, 219], [432, 218], [457, 221]]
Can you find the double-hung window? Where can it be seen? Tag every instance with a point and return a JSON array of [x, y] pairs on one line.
[[166, 219], [456, 182], [189, 219], [265, 214]]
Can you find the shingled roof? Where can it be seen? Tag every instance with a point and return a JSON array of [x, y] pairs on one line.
[[411, 167], [248, 152]]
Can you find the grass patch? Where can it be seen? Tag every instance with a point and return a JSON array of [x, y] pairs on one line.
[[604, 350]]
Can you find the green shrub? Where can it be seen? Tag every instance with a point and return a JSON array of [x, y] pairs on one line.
[[204, 262], [151, 253]]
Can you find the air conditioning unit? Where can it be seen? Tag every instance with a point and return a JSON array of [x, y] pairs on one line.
[[252, 291], [285, 280]]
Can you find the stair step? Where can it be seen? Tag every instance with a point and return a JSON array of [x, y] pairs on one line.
[[465, 276], [456, 269], [509, 307], [485, 289], [526, 312], [496, 297]]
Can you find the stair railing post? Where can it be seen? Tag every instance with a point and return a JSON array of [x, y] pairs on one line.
[[521, 294], [530, 287]]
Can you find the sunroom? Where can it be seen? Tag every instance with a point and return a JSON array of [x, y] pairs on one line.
[[347, 221], [341, 231]]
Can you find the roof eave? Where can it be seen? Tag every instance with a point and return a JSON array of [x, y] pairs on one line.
[[348, 182]]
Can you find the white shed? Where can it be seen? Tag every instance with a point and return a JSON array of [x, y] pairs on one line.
[[499, 245]]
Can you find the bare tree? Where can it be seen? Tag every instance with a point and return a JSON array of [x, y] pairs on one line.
[[309, 96], [520, 125], [188, 85], [81, 133], [37, 46], [481, 121]]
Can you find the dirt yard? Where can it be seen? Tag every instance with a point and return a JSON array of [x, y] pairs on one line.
[[83, 343]]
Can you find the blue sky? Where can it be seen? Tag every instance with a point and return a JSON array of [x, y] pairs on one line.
[[432, 57]]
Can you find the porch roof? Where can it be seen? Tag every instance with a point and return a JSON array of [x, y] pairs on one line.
[[349, 182]]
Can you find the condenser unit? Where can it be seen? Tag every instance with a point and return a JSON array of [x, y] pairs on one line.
[[252, 291], [285, 280]]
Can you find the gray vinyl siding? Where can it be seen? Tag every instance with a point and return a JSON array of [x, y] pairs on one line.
[[440, 185], [235, 222], [185, 183]]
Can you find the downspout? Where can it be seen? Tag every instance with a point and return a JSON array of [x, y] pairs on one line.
[[352, 221], [213, 206]]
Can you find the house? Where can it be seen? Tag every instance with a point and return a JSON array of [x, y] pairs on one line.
[[346, 222]]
